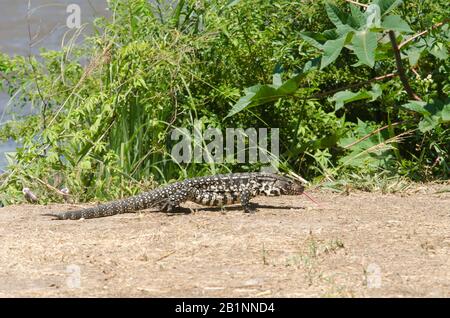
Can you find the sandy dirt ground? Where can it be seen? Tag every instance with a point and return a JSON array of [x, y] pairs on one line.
[[356, 245]]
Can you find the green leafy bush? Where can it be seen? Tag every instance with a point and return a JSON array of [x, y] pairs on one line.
[[103, 110]]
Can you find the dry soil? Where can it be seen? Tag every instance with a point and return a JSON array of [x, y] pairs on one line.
[[356, 245]]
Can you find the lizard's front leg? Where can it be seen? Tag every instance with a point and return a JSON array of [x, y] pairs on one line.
[[246, 195]]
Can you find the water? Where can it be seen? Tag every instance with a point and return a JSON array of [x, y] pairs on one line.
[[46, 25]]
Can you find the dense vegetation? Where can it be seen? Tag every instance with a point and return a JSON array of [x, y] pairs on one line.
[[358, 90]]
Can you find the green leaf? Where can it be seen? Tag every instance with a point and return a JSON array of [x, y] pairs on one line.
[[318, 39], [335, 15], [232, 3], [344, 30], [310, 38], [373, 16], [414, 52], [364, 46], [263, 94], [312, 65], [330, 35], [357, 19], [331, 51], [433, 113], [417, 106], [290, 86], [446, 113], [11, 157], [427, 124], [439, 51], [276, 80], [252, 94], [344, 97], [395, 23], [369, 148], [387, 6], [376, 92], [339, 19], [85, 165]]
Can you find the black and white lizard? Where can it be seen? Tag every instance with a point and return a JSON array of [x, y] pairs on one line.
[[216, 190]]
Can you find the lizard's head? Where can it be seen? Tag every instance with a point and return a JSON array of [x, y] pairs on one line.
[[289, 187]]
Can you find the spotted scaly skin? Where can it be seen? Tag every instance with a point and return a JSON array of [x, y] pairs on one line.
[[216, 190]]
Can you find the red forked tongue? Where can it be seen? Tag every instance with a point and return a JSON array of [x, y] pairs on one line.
[[311, 198]]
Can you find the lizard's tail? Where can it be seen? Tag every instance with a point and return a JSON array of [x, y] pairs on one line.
[[90, 213], [72, 215], [131, 204]]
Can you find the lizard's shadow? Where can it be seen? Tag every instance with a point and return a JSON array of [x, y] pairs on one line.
[[183, 210]]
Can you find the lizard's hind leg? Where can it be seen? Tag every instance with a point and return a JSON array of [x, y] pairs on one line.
[[249, 207], [173, 202]]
